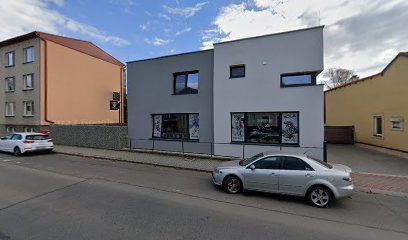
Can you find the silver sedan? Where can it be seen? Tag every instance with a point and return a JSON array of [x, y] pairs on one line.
[[319, 182]]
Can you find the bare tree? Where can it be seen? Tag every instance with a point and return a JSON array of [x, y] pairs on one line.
[[338, 76]]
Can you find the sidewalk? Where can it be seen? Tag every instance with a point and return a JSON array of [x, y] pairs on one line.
[[367, 182]]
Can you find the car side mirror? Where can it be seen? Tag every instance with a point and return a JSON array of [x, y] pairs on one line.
[[252, 167]]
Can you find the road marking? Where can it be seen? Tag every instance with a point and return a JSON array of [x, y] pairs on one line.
[[6, 160]]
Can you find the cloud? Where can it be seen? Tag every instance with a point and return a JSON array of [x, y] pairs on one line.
[[178, 33], [186, 12], [145, 26], [38, 15], [164, 16], [157, 41], [359, 35]]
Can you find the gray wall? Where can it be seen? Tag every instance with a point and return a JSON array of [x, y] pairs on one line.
[[150, 91], [20, 95], [94, 136]]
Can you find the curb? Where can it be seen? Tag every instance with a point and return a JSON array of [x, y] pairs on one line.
[[137, 162], [359, 189], [383, 192]]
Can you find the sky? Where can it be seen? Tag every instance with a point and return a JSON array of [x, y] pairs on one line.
[[361, 35]]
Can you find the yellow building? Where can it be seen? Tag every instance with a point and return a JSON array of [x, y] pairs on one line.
[[377, 106]]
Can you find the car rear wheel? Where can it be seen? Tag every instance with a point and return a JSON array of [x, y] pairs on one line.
[[232, 185], [320, 196], [17, 151]]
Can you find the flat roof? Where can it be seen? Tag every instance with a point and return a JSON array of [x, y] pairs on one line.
[[173, 55]]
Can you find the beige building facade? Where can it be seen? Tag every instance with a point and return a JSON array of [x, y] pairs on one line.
[[49, 79], [377, 106]]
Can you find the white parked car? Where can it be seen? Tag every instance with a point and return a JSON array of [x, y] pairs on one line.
[[19, 143]]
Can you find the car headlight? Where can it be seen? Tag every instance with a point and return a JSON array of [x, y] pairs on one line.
[[217, 170]]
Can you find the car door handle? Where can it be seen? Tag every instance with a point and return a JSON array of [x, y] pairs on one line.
[[273, 174], [309, 175]]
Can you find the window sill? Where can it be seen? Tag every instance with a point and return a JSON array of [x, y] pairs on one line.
[[28, 115], [175, 139], [10, 91], [175, 94], [267, 144], [9, 116], [378, 136], [8, 66], [28, 89], [28, 62], [237, 77], [297, 85]]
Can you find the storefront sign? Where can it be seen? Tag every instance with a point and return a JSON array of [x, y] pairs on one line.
[[290, 128], [237, 127], [194, 126]]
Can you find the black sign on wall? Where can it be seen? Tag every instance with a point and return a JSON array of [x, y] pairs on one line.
[[114, 105], [116, 96]]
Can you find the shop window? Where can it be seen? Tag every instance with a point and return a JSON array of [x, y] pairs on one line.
[[186, 83], [176, 126], [265, 127]]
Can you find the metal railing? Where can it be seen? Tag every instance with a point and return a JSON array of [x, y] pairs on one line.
[[207, 148]]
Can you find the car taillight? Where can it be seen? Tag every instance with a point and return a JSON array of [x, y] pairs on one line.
[[28, 141], [348, 179], [49, 140]]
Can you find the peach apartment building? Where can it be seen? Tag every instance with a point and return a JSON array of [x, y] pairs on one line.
[[51, 79]]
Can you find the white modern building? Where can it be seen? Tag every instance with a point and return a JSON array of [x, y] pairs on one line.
[[262, 95]]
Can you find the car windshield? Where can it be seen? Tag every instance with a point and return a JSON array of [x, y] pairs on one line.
[[37, 137], [251, 159], [324, 164]]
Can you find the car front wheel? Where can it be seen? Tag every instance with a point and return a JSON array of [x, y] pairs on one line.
[[233, 185], [17, 151], [320, 197]]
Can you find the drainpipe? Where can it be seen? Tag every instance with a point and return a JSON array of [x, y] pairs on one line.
[[46, 83]]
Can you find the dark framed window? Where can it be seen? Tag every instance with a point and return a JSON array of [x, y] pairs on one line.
[[186, 82], [265, 127], [378, 126], [237, 71], [10, 84], [28, 54], [10, 59], [269, 163], [298, 79], [293, 163], [28, 82], [176, 126]]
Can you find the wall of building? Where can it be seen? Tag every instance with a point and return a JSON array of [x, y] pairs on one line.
[[265, 59], [383, 95], [79, 87], [20, 122], [150, 91], [93, 136]]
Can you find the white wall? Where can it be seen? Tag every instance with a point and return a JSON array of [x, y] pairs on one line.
[[266, 58]]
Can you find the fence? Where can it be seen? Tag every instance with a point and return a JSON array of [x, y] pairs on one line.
[[339, 134], [94, 136], [218, 149]]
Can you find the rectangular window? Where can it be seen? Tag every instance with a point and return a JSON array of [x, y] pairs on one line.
[[28, 108], [237, 71], [288, 80], [28, 81], [377, 126], [9, 59], [28, 54], [176, 126], [10, 84], [265, 127], [9, 109], [397, 123], [186, 83]]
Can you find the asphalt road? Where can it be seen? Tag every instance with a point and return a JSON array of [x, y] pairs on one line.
[[64, 197]]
